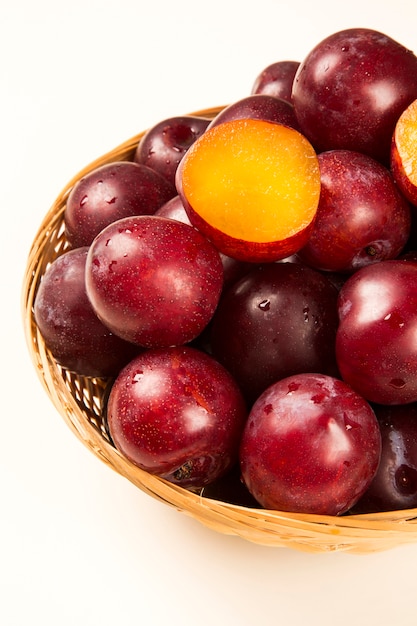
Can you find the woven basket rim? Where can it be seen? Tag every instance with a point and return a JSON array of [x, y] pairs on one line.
[[362, 533]]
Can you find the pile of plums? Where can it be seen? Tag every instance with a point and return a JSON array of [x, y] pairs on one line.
[[248, 285]]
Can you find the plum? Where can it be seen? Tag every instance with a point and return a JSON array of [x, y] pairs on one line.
[[376, 350], [259, 107], [177, 413], [73, 333], [361, 219], [276, 80], [252, 187], [280, 319], [350, 90], [153, 281], [310, 445], [394, 486], [111, 192], [164, 144]]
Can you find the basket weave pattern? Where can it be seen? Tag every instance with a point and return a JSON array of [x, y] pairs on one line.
[[80, 401]]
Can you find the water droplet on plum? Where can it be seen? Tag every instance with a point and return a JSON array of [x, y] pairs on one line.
[[406, 479], [265, 305], [137, 377], [318, 398], [293, 387], [349, 423], [398, 383]]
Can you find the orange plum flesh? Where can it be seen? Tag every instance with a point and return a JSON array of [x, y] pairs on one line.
[[404, 153], [252, 187]]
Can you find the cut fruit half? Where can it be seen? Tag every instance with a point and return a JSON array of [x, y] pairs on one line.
[[404, 153], [252, 187]]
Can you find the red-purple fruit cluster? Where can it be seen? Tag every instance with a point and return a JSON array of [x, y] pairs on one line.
[[290, 385]]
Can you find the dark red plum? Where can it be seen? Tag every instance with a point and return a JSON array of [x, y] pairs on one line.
[[350, 90], [259, 107], [278, 320], [164, 144], [376, 346], [395, 484], [77, 339], [310, 445], [361, 219], [153, 281], [276, 80], [179, 414], [109, 193]]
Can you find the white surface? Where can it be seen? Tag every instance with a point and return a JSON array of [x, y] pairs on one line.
[[79, 544]]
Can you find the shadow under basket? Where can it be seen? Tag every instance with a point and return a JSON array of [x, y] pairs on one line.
[[80, 402]]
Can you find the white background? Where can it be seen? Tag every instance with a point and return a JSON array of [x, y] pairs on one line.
[[78, 543]]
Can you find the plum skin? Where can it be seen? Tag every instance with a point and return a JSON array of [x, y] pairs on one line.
[[279, 319], [247, 251], [177, 413], [394, 486], [258, 106], [362, 218], [153, 281], [277, 80], [73, 333], [310, 445], [350, 90], [111, 192], [375, 346], [163, 145]]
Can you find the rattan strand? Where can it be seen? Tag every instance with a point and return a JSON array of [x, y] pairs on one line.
[[80, 401]]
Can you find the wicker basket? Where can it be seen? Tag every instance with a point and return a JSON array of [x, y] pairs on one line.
[[80, 401]]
